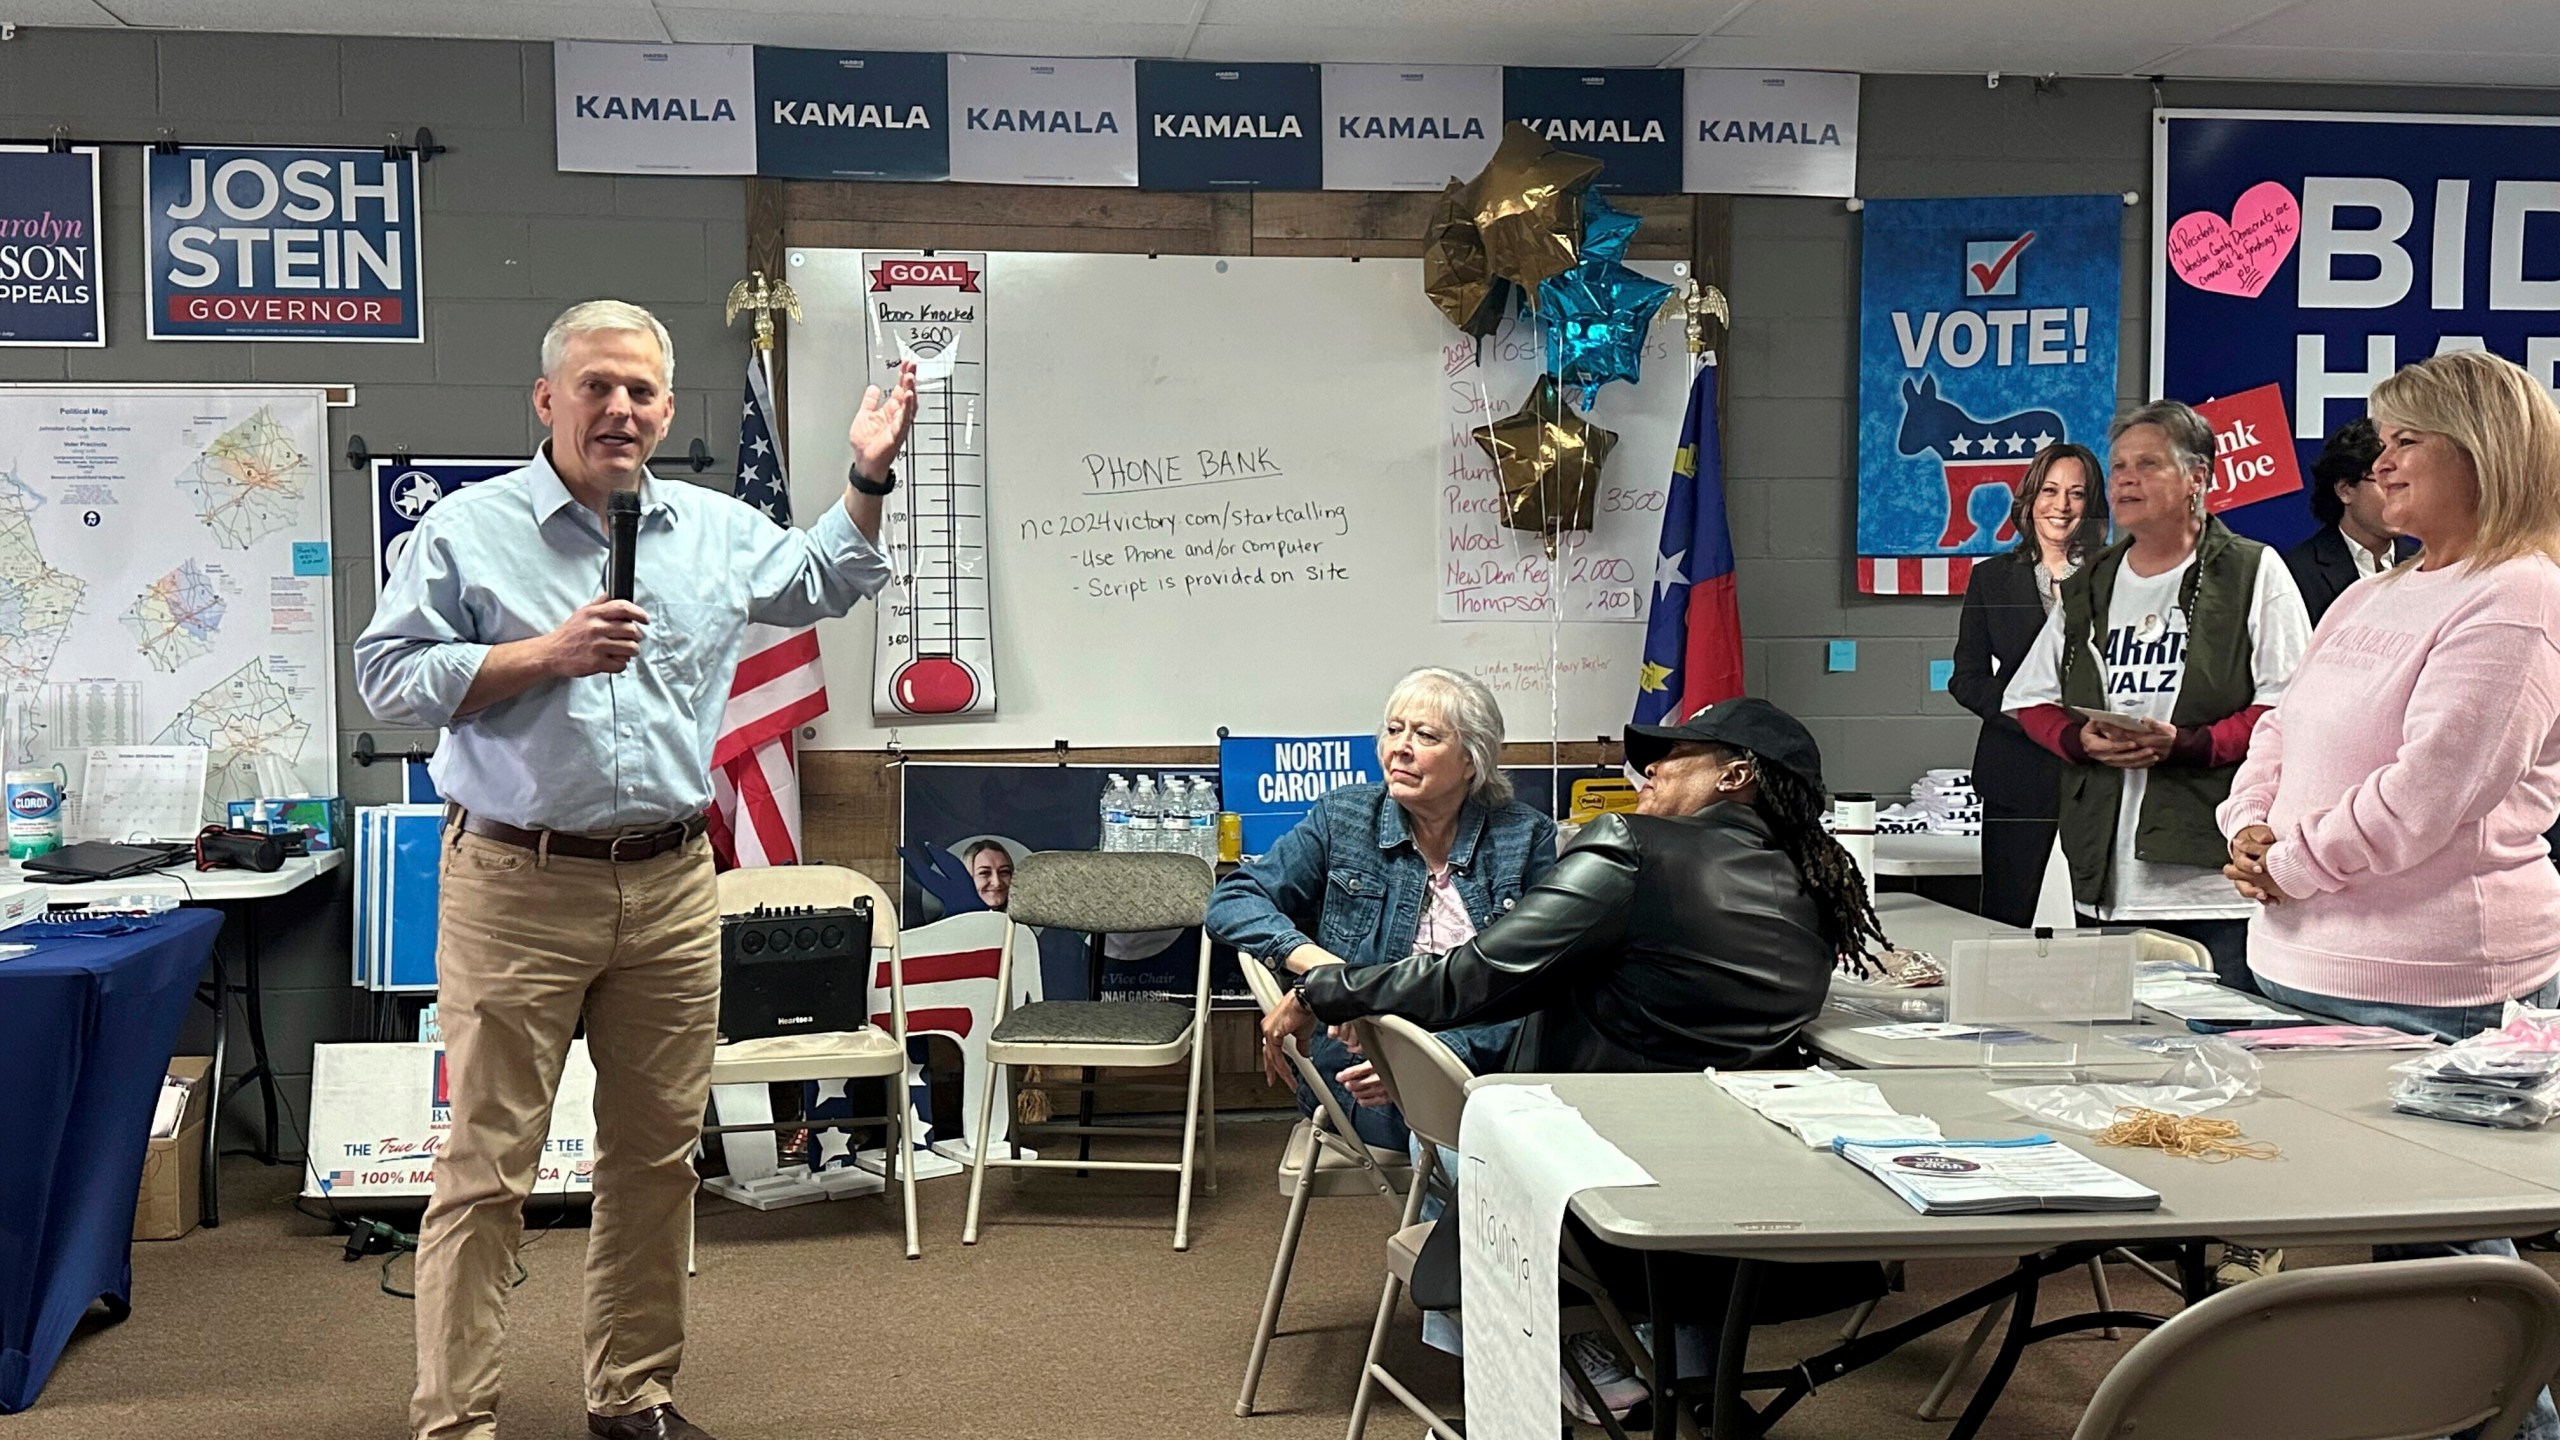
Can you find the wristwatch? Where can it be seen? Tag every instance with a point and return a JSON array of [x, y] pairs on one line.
[[853, 477]]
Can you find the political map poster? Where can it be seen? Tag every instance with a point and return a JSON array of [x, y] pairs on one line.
[[1986, 331], [53, 288], [2317, 253], [165, 553], [404, 489], [282, 243]]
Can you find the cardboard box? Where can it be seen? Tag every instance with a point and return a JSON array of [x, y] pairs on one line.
[[173, 1169], [21, 901]]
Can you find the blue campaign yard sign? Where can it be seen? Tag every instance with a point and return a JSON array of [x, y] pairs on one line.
[[1204, 126], [1271, 782], [852, 114], [2320, 252], [53, 289], [1628, 120], [405, 490], [1986, 331], [282, 243]]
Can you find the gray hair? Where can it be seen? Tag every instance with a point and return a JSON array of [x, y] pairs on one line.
[[1474, 719], [590, 315], [2190, 436]]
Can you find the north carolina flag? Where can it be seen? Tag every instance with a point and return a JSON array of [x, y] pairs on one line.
[[1693, 640]]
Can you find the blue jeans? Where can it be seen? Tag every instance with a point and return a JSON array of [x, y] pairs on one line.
[[1483, 1049], [2446, 1022]]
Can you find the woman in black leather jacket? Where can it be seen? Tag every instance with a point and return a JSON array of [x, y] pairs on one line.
[[1700, 931]]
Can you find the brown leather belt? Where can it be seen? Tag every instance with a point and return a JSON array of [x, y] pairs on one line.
[[622, 849]]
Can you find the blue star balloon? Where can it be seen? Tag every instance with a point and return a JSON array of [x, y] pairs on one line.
[[1597, 316], [1606, 229]]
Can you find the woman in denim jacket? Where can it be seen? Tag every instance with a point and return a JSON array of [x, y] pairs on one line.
[[1378, 872]]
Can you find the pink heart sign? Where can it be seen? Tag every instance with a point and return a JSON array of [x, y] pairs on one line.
[[2237, 256]]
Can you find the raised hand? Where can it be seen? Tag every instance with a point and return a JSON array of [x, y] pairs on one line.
[[880, 426]]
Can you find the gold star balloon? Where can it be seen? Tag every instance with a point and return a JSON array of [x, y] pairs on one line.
[[1454, 272], [1528, 207], [1549, 459]]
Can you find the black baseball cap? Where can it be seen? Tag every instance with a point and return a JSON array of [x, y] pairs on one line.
[[1746, 723]]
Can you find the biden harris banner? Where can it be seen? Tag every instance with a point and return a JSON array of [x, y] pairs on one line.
[[1018, 121], [52, 288], [281, 243], [1770, 132], [1408, 127], [2316, 253], [1628, 120], [851, 115], [1204, 126], [1986, 331], [655, 109]]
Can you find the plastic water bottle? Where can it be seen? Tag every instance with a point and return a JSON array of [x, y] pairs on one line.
[[1204, 819], [1176, 836], [1146, 815], [1115, 814]]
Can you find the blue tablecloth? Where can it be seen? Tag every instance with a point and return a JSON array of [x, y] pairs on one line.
[[87, 1023]]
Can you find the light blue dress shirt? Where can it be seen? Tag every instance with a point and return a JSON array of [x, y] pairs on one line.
[[510, 558]]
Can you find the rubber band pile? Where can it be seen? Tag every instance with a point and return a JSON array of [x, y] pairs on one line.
[[2194, 1137]]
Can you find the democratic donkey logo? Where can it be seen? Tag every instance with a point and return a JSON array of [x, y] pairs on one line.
[[1973, 455]]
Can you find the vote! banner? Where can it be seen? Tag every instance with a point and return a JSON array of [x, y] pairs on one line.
[[281, 243], [1628, 120], [1205, 126], [2253, 457], [1016, 121], [1986, 331], [851, 114], [2317, 253], [1271, 782], [1408, 127], [406, 488], [53, 290], [654, 109]]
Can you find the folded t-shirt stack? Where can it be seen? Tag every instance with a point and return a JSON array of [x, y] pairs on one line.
[[1945, 799]]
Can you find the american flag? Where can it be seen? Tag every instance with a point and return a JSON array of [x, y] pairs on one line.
[[755, 777]]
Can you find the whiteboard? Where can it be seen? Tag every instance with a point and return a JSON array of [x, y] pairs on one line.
[[1216, 497]]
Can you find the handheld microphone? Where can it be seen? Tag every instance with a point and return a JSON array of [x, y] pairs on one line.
[[622, 534]]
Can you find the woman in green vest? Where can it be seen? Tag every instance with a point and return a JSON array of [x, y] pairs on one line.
[[2147, 680]]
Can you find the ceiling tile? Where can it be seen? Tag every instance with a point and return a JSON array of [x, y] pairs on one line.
[[59, 12], [2380, 67], [1469, 44], [837, 30], [467, 19], [2526, 27]]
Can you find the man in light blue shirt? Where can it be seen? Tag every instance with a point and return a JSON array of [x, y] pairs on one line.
[[576, 879]]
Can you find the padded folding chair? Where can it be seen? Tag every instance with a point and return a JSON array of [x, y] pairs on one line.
[[1104, 894], [854, 1054], [1324, 1156], [2402, 1350], [1429, 1085]]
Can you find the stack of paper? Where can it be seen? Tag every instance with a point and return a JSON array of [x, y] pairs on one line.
[[1821, 1107], [1995, 1177], [2332, 1037], [2201, 998]]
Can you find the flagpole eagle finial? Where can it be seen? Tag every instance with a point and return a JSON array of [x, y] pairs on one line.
[[763, 296]]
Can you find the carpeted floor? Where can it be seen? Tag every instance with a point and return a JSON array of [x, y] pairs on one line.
[[1072, 1317]]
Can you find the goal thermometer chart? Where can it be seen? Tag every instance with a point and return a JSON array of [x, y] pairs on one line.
[[936, 654]]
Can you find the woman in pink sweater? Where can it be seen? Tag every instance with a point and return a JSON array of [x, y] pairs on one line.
[[2389, 817]]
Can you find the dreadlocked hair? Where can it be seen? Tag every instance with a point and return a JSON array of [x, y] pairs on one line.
[[1794, 808]]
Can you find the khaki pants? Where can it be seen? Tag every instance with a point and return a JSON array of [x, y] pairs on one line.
[[525, 944]]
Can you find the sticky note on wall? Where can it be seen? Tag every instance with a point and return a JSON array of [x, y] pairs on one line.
[[1843, 656], [1940, 672]]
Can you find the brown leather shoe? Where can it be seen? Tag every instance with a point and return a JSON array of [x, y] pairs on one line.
[[658, 1422]]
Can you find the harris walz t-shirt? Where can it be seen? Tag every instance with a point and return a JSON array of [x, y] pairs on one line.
[[2143, 656]]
